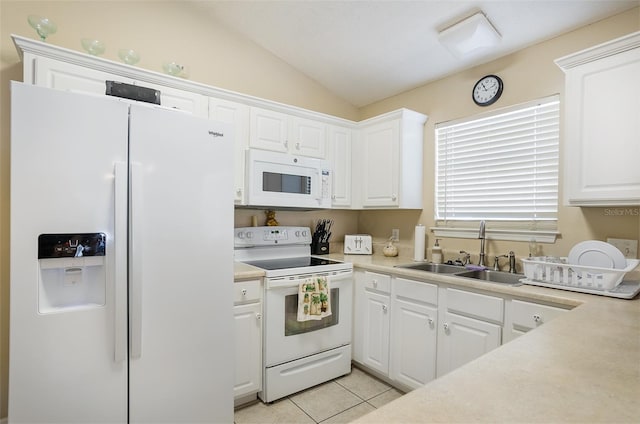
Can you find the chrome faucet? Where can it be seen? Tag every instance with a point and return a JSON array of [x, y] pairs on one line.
[[481, 260], [512, 262]]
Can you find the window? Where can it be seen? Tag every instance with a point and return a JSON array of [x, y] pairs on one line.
[[500, 167]]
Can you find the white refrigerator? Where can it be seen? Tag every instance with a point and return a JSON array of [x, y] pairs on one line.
[[121, 262]]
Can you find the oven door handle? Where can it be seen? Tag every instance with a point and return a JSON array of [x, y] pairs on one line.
[[272, 283]]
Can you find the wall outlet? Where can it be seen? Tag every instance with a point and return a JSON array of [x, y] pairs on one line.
[[395, 234], [629, 248]]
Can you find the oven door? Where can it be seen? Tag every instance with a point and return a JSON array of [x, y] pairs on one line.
[[287, 339]]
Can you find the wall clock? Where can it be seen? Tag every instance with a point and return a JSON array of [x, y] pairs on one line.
[[487, 90]]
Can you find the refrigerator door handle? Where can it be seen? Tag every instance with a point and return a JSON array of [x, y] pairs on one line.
[[135, 252], [120, 262]]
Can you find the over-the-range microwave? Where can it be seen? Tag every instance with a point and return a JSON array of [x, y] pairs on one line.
[[283, 180]]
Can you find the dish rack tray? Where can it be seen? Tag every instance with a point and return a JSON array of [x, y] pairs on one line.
[[557, 273]]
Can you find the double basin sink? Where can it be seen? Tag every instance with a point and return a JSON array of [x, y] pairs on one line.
[[459, 271]]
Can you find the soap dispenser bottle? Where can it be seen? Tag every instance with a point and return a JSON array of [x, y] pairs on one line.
[[436, 253]]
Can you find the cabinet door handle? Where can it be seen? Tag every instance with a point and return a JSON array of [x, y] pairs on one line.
[[286, 143], [446, 327], [384, 308], [297, 146], [244, 292], [375, 283], [430, 321], [258, 316], [537, 318], [394, 197]]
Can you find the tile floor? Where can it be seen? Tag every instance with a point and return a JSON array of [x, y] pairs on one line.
[[337, 401]]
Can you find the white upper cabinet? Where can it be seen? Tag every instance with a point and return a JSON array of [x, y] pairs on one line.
[[236, 114], [376, 164], [602, 124], [308, 137], [269, 130], [62, 75], [53, 73], [339, 156], [390, 153], [280, 132]]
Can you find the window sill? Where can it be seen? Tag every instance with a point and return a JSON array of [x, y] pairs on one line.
[[497, 234]]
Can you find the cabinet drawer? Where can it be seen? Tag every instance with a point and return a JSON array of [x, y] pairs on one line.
[[475, 305], [527, 315], [377, 282], [247, 291], [416, 290]]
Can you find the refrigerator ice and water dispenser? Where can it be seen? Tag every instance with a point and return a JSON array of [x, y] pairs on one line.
[[72, 271]]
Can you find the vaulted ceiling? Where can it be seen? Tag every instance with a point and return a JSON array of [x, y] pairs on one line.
[[364, 50]]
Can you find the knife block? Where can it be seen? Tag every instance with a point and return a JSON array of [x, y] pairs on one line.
[[320, 248]]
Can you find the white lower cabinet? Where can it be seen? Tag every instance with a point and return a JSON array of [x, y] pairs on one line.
[[371, 326], [523, 316], [414, 323], [470, 326], [410, 332], [395, 328], [464, 339], [247, 313]]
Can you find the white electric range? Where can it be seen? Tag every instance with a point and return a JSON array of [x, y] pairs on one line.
[[298, 354]]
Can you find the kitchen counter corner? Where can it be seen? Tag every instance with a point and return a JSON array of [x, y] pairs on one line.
[[581, 367]]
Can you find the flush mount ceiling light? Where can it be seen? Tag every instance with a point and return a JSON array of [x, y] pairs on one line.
[[470, 36]]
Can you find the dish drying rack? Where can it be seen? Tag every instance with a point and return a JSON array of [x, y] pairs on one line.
[[556, 273]]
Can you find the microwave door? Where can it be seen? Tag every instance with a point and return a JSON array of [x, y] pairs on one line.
[[287, 181]]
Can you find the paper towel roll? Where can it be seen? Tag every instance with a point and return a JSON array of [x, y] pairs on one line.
[[419, 240]]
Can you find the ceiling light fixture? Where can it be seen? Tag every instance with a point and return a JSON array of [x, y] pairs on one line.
[[470, 36]]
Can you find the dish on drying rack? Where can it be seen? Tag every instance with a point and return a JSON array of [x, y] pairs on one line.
[[594, 253]]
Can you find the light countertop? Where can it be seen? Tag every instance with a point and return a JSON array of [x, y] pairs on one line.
[[243, 271], [583, 366]]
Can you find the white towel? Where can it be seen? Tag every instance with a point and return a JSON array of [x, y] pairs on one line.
[[314, 299]]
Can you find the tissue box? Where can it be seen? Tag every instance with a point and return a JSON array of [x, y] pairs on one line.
[[357, 244]]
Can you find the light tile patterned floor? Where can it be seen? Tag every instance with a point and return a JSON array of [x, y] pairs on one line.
[[337, 401]]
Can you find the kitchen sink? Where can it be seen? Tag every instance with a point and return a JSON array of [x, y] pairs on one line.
[[493, 276], [430, 267]]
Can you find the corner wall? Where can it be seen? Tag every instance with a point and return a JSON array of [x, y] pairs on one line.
[[528, 74]]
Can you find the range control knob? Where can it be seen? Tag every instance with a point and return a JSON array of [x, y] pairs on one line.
[[249, 235], [305, 233], [240, 235]]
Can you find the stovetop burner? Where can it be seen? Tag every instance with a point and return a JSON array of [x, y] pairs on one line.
[[287, 263], [282, 252]]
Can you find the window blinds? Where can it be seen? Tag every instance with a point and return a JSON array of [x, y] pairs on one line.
[[502, 166]]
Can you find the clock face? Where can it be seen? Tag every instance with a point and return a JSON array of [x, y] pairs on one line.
[[487, 90]]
